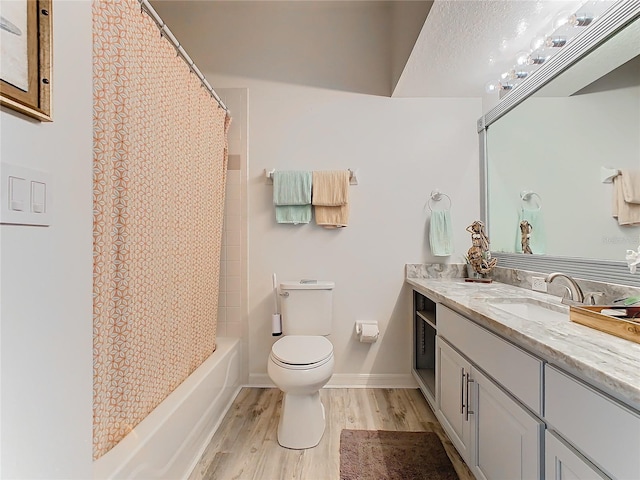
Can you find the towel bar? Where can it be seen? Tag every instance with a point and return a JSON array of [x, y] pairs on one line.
[[527, 195], [353, 176], [436, 196], [607, 174]]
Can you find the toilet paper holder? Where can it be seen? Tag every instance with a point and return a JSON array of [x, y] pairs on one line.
[[367, 332]]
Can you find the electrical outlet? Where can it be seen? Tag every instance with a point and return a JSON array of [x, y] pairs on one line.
[[538, 284]]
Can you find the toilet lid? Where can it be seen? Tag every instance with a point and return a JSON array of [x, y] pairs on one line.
[[302, 349]]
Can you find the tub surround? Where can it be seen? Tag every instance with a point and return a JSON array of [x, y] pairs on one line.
[[610, 363]]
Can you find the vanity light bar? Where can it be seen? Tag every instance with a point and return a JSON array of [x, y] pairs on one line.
[[608, 23], [542, 46]]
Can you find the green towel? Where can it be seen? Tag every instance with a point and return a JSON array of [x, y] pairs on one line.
[[292, 196], [440, 233], [537, 240]]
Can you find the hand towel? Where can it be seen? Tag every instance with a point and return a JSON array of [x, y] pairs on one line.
[[631, 185], [440, 233], [292, 196], [628, 214], [538, 239], [331, 198]]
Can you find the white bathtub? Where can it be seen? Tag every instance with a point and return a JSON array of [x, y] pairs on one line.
[[171, 439]]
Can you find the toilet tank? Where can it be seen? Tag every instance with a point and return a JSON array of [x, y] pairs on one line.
[[307, 307]]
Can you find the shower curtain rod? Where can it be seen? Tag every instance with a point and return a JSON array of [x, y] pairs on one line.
[[146, 7]]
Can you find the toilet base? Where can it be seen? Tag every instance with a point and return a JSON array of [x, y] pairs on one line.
[[302, 421]]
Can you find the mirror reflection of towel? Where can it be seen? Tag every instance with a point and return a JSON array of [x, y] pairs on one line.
[[537, 240], [441, 233], [627, 213], [631, 185]]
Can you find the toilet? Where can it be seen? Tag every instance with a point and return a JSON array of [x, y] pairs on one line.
[[301, 362]]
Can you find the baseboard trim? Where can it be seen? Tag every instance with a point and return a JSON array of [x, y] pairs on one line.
[[349, 380]]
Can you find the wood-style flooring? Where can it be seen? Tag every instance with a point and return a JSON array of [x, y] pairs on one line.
[[245, 446]]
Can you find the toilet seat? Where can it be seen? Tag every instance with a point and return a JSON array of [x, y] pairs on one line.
[[299, 352]]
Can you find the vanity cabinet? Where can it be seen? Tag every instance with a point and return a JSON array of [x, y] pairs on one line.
[[562, 462], [495, 434], [600, 428], [452, 381], [512, 415], [508, 438], [424, 345]]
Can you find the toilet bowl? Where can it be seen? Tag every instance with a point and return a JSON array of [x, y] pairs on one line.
[[300, 365]]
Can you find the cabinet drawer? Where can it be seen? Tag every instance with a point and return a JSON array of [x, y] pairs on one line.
[[516, 370], [604, 431]]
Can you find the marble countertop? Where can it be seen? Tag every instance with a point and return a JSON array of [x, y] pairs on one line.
[[610, 363]]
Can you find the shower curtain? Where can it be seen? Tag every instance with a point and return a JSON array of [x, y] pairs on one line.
[[159, 176]]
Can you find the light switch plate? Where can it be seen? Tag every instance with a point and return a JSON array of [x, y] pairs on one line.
[[30, 205]]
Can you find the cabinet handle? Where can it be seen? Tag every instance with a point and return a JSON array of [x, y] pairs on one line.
[[462, 380], [469, 411]]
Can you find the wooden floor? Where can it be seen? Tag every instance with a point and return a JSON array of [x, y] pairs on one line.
[[245, 446]]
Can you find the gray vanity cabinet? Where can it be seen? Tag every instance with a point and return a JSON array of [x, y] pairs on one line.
[[453, 396], [495, 434], [562, 462], [512, 415], [599, 427], [507, 437]]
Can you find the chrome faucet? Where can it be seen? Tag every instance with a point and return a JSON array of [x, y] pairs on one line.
[[575, 292]]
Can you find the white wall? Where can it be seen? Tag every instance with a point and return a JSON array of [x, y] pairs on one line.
[[46, 276], [403, 148]]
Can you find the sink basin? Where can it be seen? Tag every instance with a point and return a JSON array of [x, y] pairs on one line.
[[530, 308]]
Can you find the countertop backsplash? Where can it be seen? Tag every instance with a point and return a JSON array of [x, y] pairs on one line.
[[520, 278]]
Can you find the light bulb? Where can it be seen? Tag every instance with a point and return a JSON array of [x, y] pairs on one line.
[[522, 58], [580, 19], [514, 74], [537, 59], [492, 87], [561, 19], [555, 41], [537, 42]]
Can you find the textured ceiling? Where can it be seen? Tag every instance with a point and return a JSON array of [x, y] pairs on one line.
[[465, 44]]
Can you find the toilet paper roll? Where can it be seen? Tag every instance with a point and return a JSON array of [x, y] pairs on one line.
[[369, 333]]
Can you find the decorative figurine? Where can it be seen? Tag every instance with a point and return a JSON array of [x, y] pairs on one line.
[[479, 254], [525, 230]]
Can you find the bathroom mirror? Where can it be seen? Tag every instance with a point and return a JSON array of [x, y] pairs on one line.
[[550, 138]]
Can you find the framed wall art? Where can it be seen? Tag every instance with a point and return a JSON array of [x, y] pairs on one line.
[[25, 57]]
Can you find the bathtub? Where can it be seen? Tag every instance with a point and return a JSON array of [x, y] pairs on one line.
[[171, 439]]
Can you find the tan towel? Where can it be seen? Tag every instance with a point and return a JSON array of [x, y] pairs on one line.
[[626, 213], [330, 198], [631, 185]]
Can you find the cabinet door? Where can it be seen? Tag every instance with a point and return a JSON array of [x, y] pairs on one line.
[[507, 438], [562, 463], [451, 373]]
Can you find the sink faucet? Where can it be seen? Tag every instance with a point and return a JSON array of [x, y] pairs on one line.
[[575, 292]]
